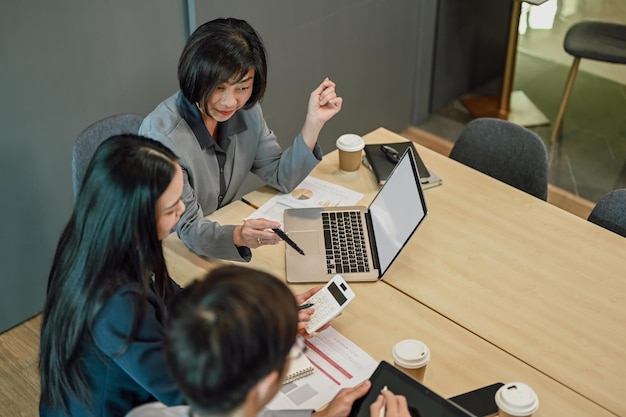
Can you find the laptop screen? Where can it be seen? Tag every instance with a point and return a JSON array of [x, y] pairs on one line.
[[397, 210]]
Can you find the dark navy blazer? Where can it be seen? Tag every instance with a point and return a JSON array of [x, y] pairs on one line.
[[120, 381]]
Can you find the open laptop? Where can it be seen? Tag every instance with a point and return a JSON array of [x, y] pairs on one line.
[[385, 227]]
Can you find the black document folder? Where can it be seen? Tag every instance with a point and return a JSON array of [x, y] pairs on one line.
[[381, 165]]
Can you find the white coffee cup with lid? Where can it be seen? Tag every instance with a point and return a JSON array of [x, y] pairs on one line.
[[412, 356], [350, 147], [516, 399]]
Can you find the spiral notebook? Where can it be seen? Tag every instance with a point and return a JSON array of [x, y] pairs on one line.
[[298, 368]]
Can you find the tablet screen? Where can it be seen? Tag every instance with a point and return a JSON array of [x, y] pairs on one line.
[[422, 401]]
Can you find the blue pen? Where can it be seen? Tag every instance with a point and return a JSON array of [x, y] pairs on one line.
[[305, 306]]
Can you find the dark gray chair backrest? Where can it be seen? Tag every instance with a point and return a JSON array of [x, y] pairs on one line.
[[505, 151], [610, 212], [88, 140]]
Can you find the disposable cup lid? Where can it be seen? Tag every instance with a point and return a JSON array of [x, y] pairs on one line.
[[350, 142], [410, 353], [517, 399]]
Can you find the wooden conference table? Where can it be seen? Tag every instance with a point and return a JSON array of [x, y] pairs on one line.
[[380, 315], [496, 296]]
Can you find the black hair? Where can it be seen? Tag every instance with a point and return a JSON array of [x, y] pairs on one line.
[[218, 51], [226, 333], [110, 240]]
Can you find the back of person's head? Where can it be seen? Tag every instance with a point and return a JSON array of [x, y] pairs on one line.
[[110, 240], [226, 333], [218, 51]]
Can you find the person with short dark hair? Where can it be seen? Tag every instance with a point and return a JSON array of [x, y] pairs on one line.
[[229, 349], [102, 329], [216, 126]]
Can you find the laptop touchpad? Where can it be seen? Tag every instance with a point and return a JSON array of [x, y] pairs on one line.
[[308, 241]]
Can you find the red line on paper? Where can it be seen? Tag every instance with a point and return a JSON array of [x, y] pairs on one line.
[[325, 373], [328, 359]]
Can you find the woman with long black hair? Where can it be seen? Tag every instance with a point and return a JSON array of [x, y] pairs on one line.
[[101, 337], [101, 349]]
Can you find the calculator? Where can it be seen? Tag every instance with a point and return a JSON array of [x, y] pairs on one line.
[[329, 302]]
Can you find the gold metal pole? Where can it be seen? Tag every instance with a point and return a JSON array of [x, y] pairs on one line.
[[568, 90], [504, 106]]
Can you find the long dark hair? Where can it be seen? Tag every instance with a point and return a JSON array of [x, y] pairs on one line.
[[226, 333], [217, 51], [110, 240]]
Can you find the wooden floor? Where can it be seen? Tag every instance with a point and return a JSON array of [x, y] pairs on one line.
[[19, 375]]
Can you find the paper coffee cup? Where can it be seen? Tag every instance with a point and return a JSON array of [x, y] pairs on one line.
[[412, 356], [350, 147], [516, 399]]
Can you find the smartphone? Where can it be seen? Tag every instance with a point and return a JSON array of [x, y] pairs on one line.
[[481, 402], [329, 302]]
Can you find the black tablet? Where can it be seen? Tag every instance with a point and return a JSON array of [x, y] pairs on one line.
[[422, 401]]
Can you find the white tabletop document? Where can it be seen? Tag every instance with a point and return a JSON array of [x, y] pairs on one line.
[[311, 192], [338, 363]]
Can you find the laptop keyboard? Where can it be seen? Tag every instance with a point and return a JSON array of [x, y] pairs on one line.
[[345, 242]]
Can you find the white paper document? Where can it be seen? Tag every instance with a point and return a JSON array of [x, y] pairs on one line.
[[338, 363], [311, 192]]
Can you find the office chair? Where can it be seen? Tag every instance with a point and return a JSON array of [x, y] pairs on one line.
[[599, 41], [505, 151], [610, 212], [88, 140]]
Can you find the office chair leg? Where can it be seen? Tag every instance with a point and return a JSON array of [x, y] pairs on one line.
[[568, 89]]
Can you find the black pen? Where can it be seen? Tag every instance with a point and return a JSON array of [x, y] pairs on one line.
[[286, 238], [305, 306], [390, 153]]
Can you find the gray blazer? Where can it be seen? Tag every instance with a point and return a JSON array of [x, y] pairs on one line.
[[248, 145]]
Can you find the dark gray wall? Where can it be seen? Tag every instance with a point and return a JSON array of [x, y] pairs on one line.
[[469, 48], [63, 65], [426, 23], [67, 63]]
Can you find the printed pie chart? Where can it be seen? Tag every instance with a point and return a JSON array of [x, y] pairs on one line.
[[302, 194]]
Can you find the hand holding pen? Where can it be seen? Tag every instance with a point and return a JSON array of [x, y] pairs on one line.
[[255, 233], [383, 409], [389, 405], [306, 310]]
